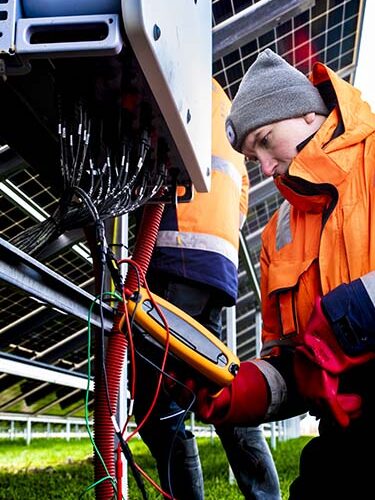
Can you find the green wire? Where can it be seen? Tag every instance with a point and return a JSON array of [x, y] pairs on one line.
[[98, 297], [93, 486]]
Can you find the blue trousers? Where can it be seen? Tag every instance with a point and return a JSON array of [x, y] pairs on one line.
[[165, 434]]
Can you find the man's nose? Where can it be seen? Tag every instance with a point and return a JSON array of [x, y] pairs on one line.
[[268, 165]]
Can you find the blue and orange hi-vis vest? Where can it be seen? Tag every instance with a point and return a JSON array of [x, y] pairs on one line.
[[199, 240]]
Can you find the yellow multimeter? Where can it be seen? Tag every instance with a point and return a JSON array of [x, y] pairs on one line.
[[188, 339]]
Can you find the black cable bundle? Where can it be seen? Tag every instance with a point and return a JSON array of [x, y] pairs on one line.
[[104, 174]]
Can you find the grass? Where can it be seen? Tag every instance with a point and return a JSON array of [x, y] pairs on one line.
[[51, 469]]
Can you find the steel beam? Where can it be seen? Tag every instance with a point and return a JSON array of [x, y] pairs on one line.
[[249, 266], [26, 273], [42, 372], [253, 22]]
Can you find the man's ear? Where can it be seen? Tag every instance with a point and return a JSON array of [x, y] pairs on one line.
[[309, 117]]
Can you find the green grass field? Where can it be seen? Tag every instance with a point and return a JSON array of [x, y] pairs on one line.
[[51, 469]]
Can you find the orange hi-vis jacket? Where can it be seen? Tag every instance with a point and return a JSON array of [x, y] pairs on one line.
[[323, 235], [201, 244]]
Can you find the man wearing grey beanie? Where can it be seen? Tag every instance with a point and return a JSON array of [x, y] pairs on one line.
[[316, 137]]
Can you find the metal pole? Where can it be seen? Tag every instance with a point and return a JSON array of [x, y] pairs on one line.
[[273, 435], [258, 333], [230, 313], [12, 430], [28, 431], [249, 266], [232, 344], [121, 237]]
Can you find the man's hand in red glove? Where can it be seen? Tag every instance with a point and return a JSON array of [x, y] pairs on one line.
[[321, 346], [244, 402], [318, 363], [321, 388]]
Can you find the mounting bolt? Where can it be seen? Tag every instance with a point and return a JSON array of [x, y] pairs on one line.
[[156, 32], [188, 116], [208, 171]]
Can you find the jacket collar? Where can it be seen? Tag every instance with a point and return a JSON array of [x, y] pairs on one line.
[[319, 163]]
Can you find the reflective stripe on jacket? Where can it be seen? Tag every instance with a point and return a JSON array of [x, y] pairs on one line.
[[326, 236], [202, 243]]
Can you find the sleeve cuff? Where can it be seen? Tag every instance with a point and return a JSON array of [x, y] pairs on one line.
[[351, 313]]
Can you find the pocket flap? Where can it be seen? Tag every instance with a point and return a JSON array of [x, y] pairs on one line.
[[283, 275]]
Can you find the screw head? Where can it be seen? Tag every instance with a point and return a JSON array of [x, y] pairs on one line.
[[156, 32]]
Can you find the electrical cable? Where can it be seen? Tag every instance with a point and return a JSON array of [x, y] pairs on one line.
[[162, 373], [122, 183], [165, 355], [125, 318], [183, 413], [133, 466], [124, 445], [136, 470]]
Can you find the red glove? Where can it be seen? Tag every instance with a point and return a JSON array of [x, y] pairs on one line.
[[318, 363], [321, 346], [321, 388], [244, 402]]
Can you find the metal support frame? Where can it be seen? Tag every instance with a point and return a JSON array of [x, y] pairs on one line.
[[15, 365], [249, 266], [26, 273], [253, 22], [121, 235]]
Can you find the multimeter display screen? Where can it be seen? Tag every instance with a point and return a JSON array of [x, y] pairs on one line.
[[187, 334]]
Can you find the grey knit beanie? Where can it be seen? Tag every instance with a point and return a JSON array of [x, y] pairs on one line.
[[271, 90]]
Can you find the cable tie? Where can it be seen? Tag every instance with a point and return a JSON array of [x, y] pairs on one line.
[[115, 424], [131, 405]]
